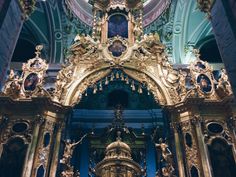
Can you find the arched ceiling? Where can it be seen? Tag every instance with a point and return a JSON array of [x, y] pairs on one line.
[[152, 10], [179, 23]]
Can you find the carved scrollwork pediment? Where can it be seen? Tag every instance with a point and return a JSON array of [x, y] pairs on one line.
[[30, 82], [145, 61]]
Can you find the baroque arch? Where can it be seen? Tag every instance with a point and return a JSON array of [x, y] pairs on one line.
[[74, 93], [141, 57], [144, 62], [189, 93]]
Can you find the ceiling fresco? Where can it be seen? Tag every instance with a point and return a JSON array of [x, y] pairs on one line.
[[152, 10]]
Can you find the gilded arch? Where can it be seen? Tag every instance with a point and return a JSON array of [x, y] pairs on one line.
[[78, 87], [141, 57], [144, 62], [90, 62]]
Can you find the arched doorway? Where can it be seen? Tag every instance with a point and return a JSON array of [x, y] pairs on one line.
[[222, 160], [95, 114], [12, 159]]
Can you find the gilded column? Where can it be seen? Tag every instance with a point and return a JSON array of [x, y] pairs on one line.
[[131, 27], [231, 122], [32, 148], [179, 155], [55, 157], [202, 147], [3, 122], [44, 146]]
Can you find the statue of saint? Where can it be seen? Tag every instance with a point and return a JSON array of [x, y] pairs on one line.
[[68, 151], [138, 30], [167, 168], [224, 81], [165, 152], [182, 81]]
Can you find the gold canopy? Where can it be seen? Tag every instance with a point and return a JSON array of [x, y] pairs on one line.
[[118, 161]]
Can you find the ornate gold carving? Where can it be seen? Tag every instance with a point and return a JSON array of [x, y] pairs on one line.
[[9, 133], [166, 159], [182, 90], [68, 152], [87, 79], [223, 86], [151, 85], [30, 83], [192, 155], [43, 150], [118, 160], [69, 149], [138, 28], [142, 57], [203, 82], [147, 57], [225, 134]]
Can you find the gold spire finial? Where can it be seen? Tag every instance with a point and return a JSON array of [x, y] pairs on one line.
[[38, 49], [118, 136]]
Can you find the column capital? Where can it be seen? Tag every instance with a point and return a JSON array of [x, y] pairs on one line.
[[175, 126], [196, 120], [39, 119]]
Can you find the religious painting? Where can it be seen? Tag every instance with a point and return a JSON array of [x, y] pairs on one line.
[[117, 48], [204, 83], [31, 82], [118, 26], [199, 65]]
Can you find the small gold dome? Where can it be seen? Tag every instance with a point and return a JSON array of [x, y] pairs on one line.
[[118, 160], [118, 144]]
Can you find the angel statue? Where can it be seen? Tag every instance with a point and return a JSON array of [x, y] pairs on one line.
[[68, 151], [224, 81], [167, 169]]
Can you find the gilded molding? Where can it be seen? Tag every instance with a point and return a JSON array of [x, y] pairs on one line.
[[224, 134], [43, 152], [8, 132], [191, 152]]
